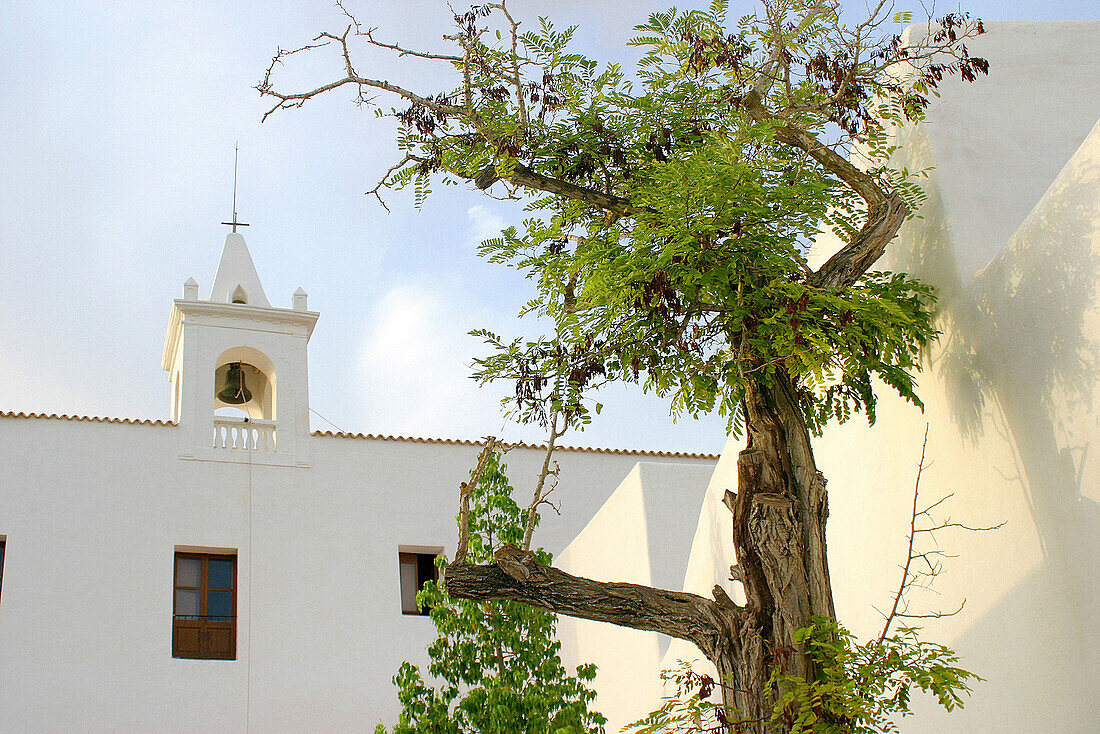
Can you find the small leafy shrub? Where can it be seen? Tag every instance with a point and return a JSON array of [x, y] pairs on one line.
[[495, 667], [860, 688]]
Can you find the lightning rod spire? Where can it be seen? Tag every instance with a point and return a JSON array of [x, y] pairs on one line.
[[234, 224]]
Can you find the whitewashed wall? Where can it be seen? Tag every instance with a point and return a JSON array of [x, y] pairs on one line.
[[93, 511], [641, 535]]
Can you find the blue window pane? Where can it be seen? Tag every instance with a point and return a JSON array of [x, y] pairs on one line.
[[219, 603], [220, 574], [188, 601]]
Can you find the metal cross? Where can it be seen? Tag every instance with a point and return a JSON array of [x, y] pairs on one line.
[[234, 224]]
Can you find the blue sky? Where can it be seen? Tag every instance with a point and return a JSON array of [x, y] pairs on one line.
[[117, 152]]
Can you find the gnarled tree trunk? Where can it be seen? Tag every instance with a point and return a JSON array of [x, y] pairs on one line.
[[779, 513]]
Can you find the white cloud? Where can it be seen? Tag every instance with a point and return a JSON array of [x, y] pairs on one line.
[[414, 368], [403, 332], [483, 225]]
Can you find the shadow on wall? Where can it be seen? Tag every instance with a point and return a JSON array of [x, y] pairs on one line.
[[1021, 338]]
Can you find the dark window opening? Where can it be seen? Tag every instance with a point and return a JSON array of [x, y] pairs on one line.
[[417, 569], [3, 542], [204, 618]]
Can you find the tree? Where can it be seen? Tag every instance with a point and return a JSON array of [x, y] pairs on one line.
[[670, 215], [496, 662]]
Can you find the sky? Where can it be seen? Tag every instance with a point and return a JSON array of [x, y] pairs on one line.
[[117, 159]]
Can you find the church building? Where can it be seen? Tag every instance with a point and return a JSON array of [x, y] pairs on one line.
[[229, 569]]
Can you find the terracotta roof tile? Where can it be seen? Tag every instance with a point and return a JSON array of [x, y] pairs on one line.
[[89, 418], [520, 445], [376, 437]]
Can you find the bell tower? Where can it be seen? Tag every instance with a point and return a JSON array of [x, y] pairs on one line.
[[238, 369]]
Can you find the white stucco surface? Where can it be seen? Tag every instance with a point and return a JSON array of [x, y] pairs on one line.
[[237, 270], [642, 535], [92, 512]]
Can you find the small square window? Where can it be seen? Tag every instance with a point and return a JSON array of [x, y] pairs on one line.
[[204, 614], [417, 569]]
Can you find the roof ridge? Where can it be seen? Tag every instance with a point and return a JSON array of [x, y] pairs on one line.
[[378, 437], [89, 418], [515, 445]]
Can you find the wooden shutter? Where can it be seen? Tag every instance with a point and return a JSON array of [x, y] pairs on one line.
[[221, 640], [417, 569], [409, 585], [185, 638]]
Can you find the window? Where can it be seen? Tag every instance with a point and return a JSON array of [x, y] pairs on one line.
[[204, 619], [417, 569], [3, 542]]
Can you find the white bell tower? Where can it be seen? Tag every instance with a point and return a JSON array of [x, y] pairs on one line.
[[240, 388]]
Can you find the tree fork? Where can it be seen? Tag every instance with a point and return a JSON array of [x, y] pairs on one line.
[[779, 514]]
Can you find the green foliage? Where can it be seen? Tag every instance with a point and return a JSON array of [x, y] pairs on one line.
[[864, 688], [495, 666], [859, 689], [699, 286]]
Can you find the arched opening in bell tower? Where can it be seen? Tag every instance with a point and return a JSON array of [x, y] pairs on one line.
[[245, 406]]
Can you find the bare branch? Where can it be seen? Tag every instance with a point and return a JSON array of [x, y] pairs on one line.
[[287, 100], [932, 615], [368, 34], [517, 80], [961, 526], [923, 579], [465, 490], [539, 497], [297, 99], [905, 580]]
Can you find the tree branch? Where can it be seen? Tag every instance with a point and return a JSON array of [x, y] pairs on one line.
[[913, 578], [524, 176], [886, 211], [517, 576], [287, 100], [539, 496], [465, 489], [905, 580]]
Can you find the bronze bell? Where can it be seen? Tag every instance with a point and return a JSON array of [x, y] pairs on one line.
[[234, 392]]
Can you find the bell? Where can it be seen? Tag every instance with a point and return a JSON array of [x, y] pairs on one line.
[[234, 392]]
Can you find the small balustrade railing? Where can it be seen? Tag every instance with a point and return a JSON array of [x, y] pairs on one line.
[[244, 435]]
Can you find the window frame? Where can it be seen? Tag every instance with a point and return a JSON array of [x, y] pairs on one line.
[[204, 625], [423, 558]]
